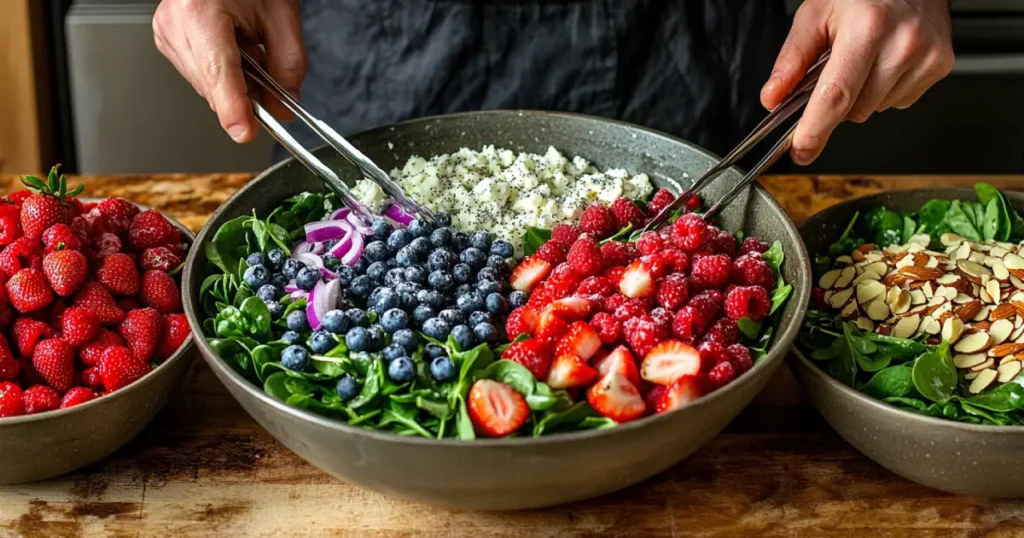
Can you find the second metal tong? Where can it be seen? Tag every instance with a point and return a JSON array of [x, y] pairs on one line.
[[369, 169], [792, 104]]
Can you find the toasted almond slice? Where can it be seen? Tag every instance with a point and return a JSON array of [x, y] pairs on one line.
[[879, 268], [982, 314], [985, 296], [1003, 350], [994, 291], [828, 279], [998, 251], [952, 328], [1003, 311], [980, 383], [1016, 282], [962, 252], [865, 276], [948, 279], [972, 270], [930, 325], [877, 310], [917, 297], [1013, 261], [966, 361], [947, 292], [840, 297], [932, 263], [845, 260], [921, 273], [969, 310], [973, 343], [977, 257], [869, 290], [845, 277], [1017, 333], [1008, 370], [962, 298], [865, 324], [989, 363], [850, 311], [902, 304], [906, 327], [980, 326], [970, 375], [928, 289], [873, 256], [999, 270], [950, 239]]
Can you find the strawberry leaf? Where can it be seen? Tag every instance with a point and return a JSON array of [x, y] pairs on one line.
[[33, 183], [78, 190]]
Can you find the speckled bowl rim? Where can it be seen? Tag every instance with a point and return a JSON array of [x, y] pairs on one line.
[[186, 349], [783, 339], [892, 411]]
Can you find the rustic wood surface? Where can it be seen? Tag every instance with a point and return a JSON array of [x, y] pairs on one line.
[[204, 468]]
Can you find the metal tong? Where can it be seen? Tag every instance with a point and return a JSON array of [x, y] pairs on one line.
[[369, 170], [793, 103]]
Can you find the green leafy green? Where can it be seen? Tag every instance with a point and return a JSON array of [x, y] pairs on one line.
[[533, 238]]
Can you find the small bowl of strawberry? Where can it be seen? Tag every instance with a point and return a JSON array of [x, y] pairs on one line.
[[92, 334]]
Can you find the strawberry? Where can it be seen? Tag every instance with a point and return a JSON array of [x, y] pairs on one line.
[[11, 402], [92, 379], [569, 370], [684, 390], [533, 354], [120, 368], [668, 361], [39, 399], [60, 237], [79, 325], [613, 396], [9, 368], [160, 292], [151, 229], [529, 273], [496, 409], [160, 258], [550, 327], [522, 320], [77, 396], [619, 360], [10, 228], [176, 330], [653, 396], [96, 298], [91, 353], [48, 204], [580, 340], [118, 213], [28, 332], [118, 273], [21, 254], [28, 291], [82, 229], [106, 244], [637, 281], [54, 359], [142, 330], [66, 271], [570, 308]]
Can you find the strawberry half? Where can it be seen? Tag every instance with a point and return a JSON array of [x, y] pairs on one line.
[[613, 396], [529, 273], [496, 409], [571, 308], [550, 327], [580, 340], [569, 371], [682, 392], [636, 280], [620, 360], [668, 361]]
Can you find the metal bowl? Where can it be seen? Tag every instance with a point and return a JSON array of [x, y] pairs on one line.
[[37, 447], [959, 458], [512, 473]]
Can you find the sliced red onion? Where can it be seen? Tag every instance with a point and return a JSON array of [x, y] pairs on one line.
[[354, 220], [319, 248], [396, 214], [311, 316], [310, 259], [328, 274], [323, 230], [301, 248], [299, 294], [322, 299], [291, 287], [355, 252], [340, 214], [345, 243]]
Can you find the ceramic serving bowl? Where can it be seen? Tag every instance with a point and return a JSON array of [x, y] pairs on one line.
[[950, 456], [525, 472], [37, 447]]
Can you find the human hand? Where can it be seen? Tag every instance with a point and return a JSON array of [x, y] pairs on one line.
[[201, 38], [885, 54]]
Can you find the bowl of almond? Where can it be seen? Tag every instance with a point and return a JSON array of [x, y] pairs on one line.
[[913, 345]]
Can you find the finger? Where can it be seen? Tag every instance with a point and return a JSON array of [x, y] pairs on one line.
[[169, 40], [217, 58], [806, 41], [879, 84], [919, 79], [285, 51]]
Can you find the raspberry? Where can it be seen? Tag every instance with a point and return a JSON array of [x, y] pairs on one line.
[[632, 252], [626, 213], [739, 356], [662, 319], [673, 291], [542, 295], [693, 203], [723, 332], [597, 221], [632, 308], [747, 302], [551, 252], [689, 232], [585, 256], [654, 396], [614, 275], [687, 325], [711, 272], [564, 277], [649, 243], [615, 254], [721, 241], [719, 376], [752, 270], [661, 199], [595, 285], [708, 305], [818, 298], [641, 335], [615, 301], [676, 261], [655, 264], [711, 354], [607, 327], [566, 234], [751, 244]]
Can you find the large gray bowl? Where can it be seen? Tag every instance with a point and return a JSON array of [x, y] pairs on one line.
[[37, 447], [950, 456], [514, 473]]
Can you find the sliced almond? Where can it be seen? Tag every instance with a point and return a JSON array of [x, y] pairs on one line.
[[928, 289], [869, 290], [921, 239], [999, 270], [969, 310], [947, 292], [857, 256], [921, 273], [1017, 333], [968, 360], [828, 279], [1013, 262], [970, 375], [906, 327], [977, 257], [982, 314], [962, 252], [865, 324], [988, 363], [877, 310], [973, 343], [972, 270], [1004, 350], [952, 328], [902, 303], [873, 257], [950, 239], [1007, 371], [1016, 282], [839, 298], [1003, 311], [962, 298], [845, 277], [850, 311], [845, 260], [980, 383], [980, 326], [948, 279], [917, 297], [930, 325], [994, 291], [1000, 330]]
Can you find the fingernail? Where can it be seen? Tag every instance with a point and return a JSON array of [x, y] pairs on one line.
[[236, 132], [803, 157]]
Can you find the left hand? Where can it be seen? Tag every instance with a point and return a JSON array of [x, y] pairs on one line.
[[885, 54]]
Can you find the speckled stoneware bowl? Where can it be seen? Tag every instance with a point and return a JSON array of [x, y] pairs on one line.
[[526, 472], [950, 456], [37, 447]]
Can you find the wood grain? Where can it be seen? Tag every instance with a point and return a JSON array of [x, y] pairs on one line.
[[204, 468]]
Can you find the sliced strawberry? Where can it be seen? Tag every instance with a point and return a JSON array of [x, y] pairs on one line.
[[571, 308], [636, 281], [619, 360], [613, 396], [550, 327], [529, 273], [580, 340], [496, 409], [570, 370], [683, 391], [668, 361]]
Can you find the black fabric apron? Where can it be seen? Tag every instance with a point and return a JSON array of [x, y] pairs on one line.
[[692, 68]]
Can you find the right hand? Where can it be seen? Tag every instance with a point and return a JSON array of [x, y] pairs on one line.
[[201, 38]]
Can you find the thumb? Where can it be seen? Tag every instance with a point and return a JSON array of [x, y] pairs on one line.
[[807, 39]]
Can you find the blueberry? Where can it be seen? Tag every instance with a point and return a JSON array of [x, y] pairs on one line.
[[275, 259], [269, 292], [441, 259], [335, 321], [436, 328], [407, 257], [361, 286], [407, 339], [255, 259], [295, 358], [297, 321], [464, 336], [398, 239], [377, 335], [422, 313], [441, 237], [291, 337], [307, 278], [463, 289], [384, 299], [291, 268], [496, 304], [362, 265], [502, 248], [276, 309], [480, 239], [453, 317], [470, 302], [433, 351], [517, 299], [321, 342], [487, 287], [420, 228], [357, 318], [376, 251], [347, 387], [416, 274], [476, 318], [381, 228], [394, 319], [498, 264], [473, 257], [358, 339], [421, 246], [401, 370], [394, 277], [408, 287], [376, 271], [258, 275], [442, 219], [442, 369], [460, 241], [345, 275], [278, 280], [485, 333], [462, 273], [391, 263], [431, 298], [488, 273], [441, 281], [394, 351], [408, 301]]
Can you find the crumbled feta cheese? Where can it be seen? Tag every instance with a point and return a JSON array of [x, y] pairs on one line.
[[369, 194]]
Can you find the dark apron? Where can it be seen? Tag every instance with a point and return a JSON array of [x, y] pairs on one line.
[[692, 68]]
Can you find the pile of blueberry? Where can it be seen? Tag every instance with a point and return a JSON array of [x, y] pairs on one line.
[[269, 273]]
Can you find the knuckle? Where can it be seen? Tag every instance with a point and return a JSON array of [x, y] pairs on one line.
[[942, 61], [212, 69], [872, 18], [858, 116], [835, 96], [193, 7]]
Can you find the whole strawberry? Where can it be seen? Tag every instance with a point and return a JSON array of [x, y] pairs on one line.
[[39, 399], [28, 332], [60, 237], [160, 258], [120, 368], [160, 292], [150, 229], [176, 330], [66, 271], [54, 359], [142, 330], [23, 253], [11, 402], [10, 226], [118, 212], [79, 325], [77, 396], [97, 298], [118, 273], [28, 290], [49, 204], [90, 353]]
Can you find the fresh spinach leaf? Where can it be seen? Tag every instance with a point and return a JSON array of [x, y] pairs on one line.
[[892, 382], [1007, 397], [749, 328], [533, 238], [258, 316], [779, 295], [935, 376], [997, 211], [960, 218], [774, 256], [275, 386]]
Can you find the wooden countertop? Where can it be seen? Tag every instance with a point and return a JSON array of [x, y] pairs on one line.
[[204, 468]]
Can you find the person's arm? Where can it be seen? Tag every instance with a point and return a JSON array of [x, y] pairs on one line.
[[201, 38], [885, 54]]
